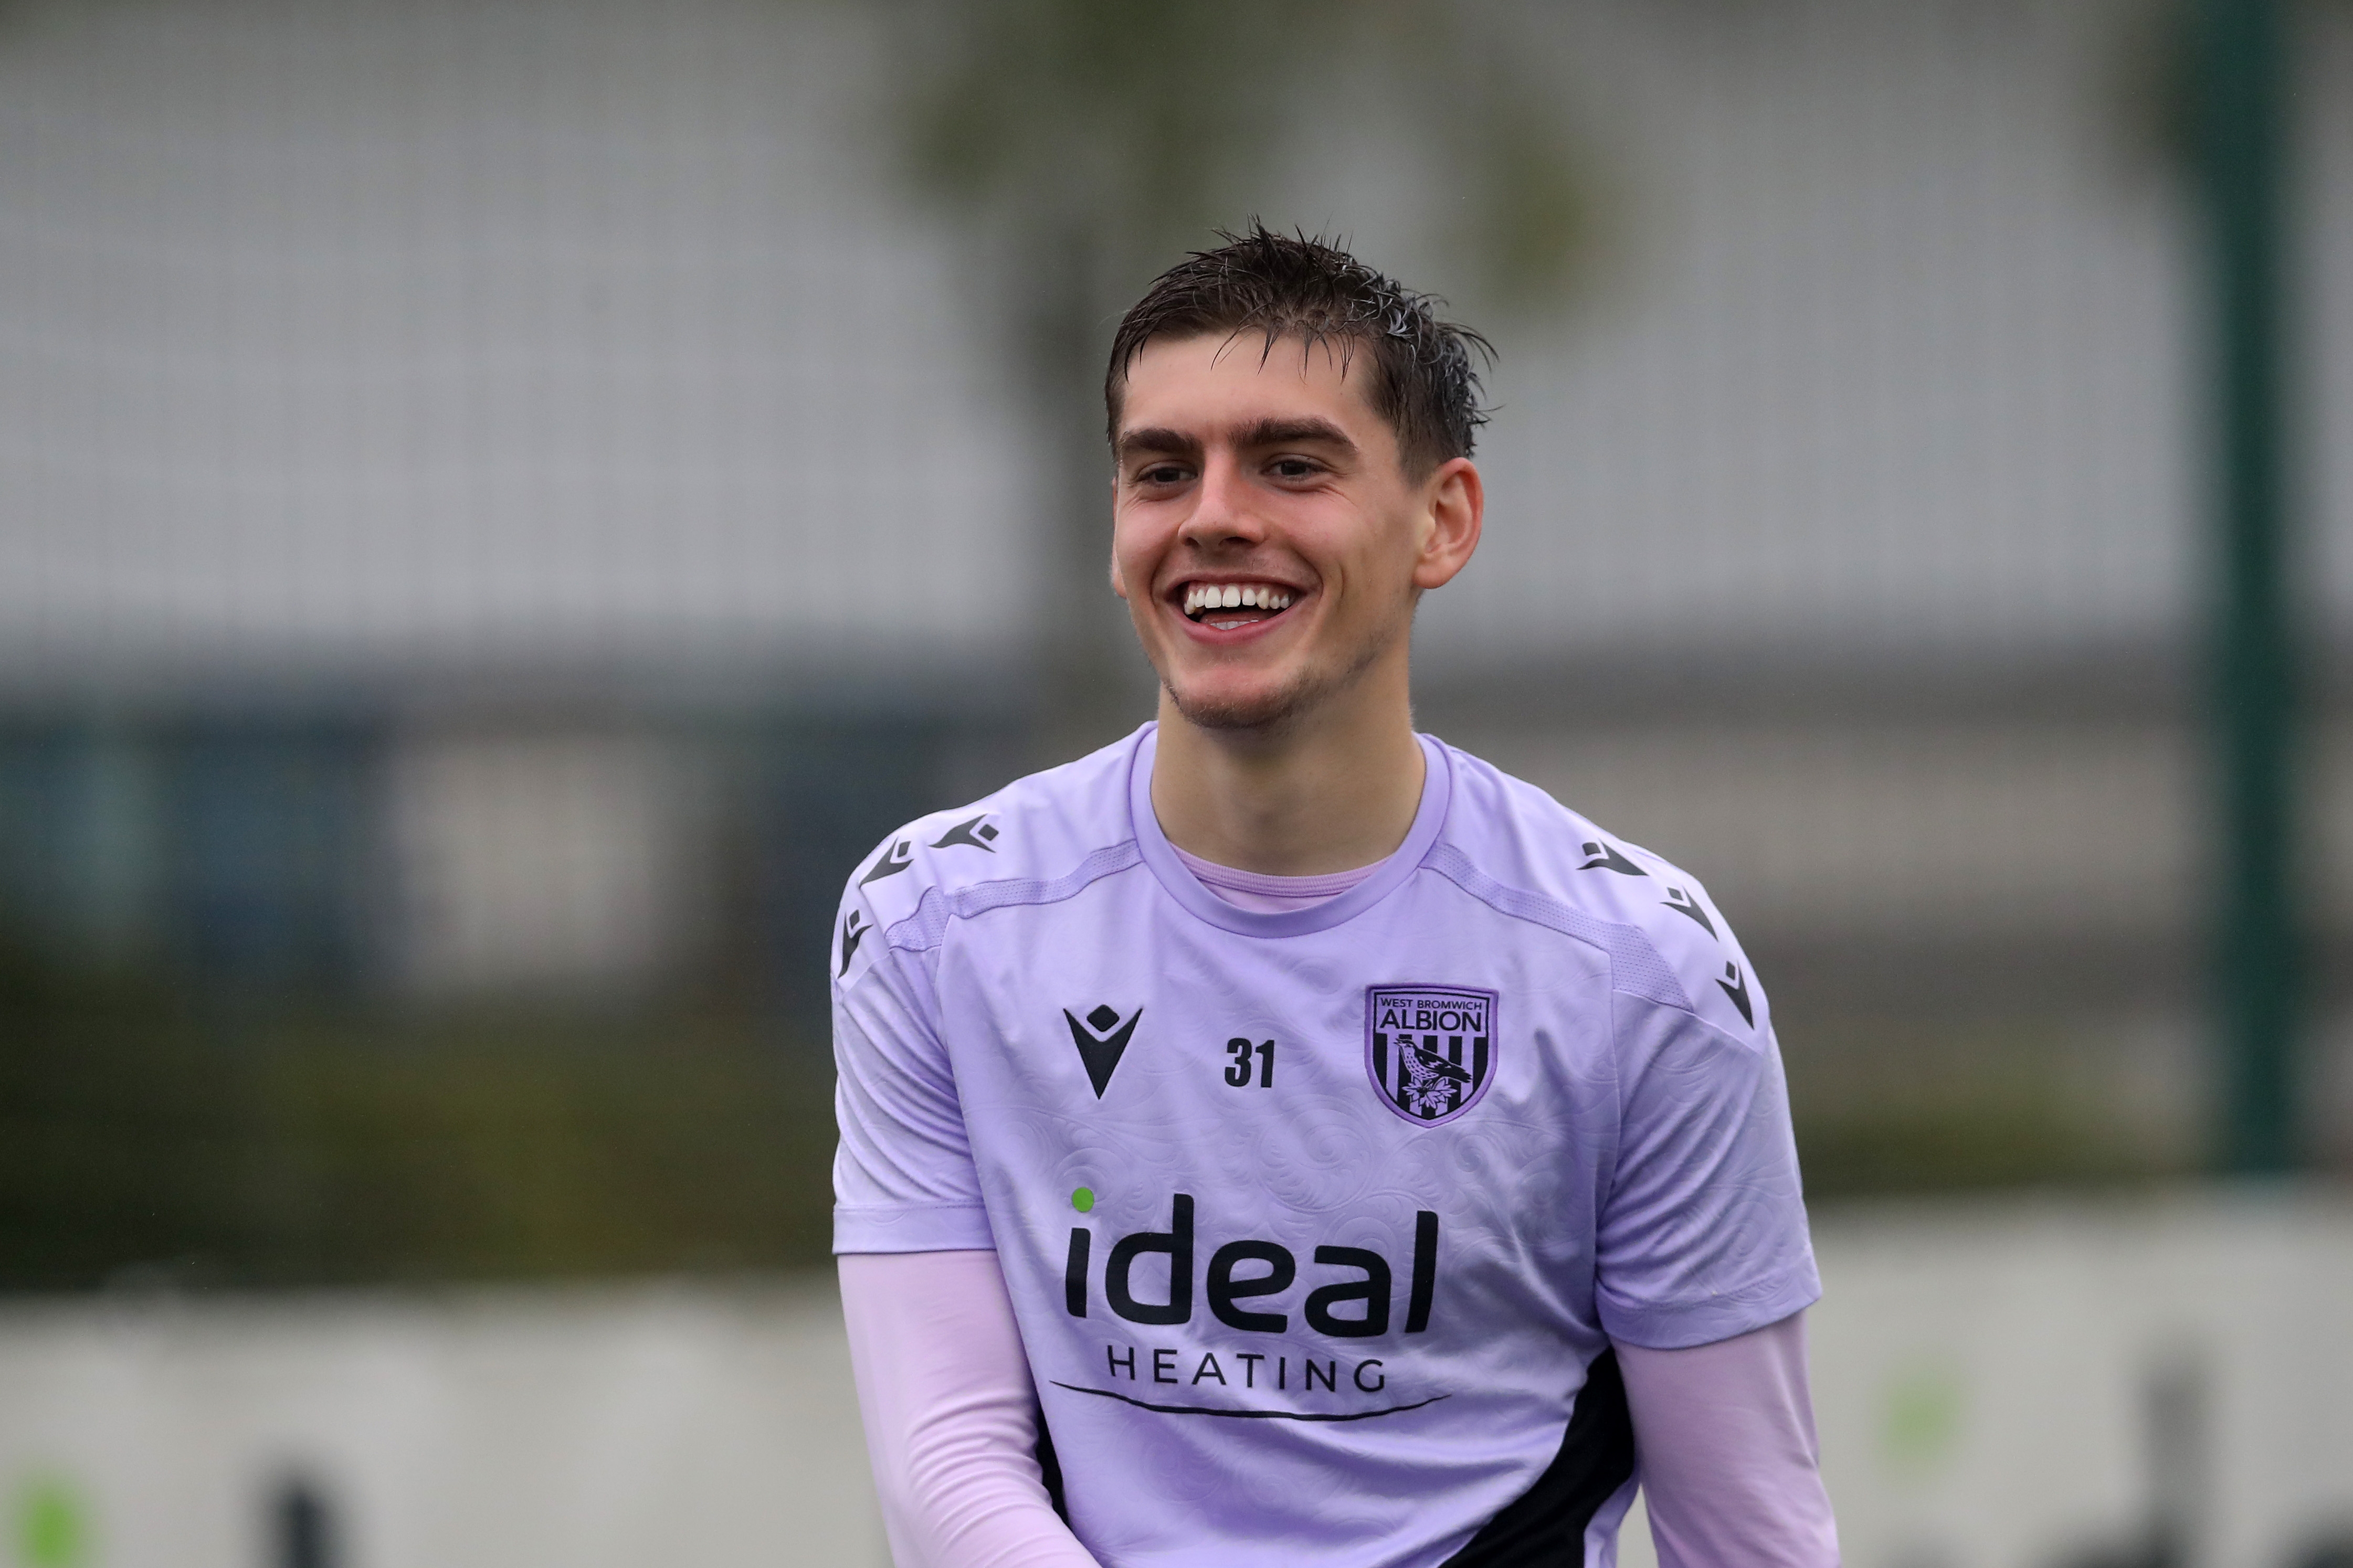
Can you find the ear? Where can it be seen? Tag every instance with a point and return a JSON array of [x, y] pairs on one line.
[[1118, 581], [1455, 507]]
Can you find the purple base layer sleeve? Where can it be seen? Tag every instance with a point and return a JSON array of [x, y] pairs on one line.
[[1725, 1436], [1724, 1432], [951, 1415]]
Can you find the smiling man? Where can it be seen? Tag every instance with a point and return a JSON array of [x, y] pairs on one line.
[[1280, 1137]]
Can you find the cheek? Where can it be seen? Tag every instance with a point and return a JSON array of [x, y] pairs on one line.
[[1123, 553], [1134, 557], [1374, 577]]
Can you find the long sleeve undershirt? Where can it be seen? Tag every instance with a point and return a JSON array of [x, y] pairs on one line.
[[1724, 1433]]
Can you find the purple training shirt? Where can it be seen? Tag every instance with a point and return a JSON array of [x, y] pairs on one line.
[[1317, 1224]]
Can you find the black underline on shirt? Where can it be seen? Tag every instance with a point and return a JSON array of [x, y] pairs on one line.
[[1248, 1414]]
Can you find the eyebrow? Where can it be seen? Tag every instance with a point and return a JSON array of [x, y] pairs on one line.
[[1153, 440], [1289, 432]]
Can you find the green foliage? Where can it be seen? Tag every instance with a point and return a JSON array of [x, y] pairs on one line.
[[141, 1138], [52, 1525], [1535, 223], [1127, 118], [1124, 133]]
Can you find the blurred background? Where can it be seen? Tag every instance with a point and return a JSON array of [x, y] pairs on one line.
[[503, 502]]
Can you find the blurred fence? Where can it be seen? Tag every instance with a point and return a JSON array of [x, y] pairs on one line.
[[501, 504]]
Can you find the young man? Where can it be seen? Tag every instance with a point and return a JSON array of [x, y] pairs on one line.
[[1280, 1138]]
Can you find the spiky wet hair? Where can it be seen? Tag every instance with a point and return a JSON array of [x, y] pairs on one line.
[[1291, 287]]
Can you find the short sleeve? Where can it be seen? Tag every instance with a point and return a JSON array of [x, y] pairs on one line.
[[1703, 1226], [903, 1179]]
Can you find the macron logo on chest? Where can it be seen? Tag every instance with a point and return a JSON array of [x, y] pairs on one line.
[[1102, 1037]]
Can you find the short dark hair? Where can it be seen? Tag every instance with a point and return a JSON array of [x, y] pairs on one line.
[[1289, 286]]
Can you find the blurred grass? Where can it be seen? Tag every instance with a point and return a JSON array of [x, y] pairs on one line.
[[1983, 1142], [1898, 1107], [144, 1139]]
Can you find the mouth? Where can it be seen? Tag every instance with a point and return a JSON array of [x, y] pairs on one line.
[[1228, 606]]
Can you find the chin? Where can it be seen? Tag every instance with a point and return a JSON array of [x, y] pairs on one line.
[[1235, 713], [1255, 706], [1268, 699]]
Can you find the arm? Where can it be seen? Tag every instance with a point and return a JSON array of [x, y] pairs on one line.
[[951, 1415], [943, 1383], [1704, 1271], [1730, 1469]]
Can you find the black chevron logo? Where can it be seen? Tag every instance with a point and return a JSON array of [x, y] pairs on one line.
[[974, 834], [1101, 1040], [890, 863], [1605, 857], [853, 932], [1683, 904], [1734, 984]]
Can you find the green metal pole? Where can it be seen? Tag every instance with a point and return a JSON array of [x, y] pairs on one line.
[[2242, 140]]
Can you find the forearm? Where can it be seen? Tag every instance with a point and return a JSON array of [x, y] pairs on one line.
[[1730, 1466], [950, 1414]]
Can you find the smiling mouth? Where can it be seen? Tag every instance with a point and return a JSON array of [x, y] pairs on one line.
[[1227, 605]]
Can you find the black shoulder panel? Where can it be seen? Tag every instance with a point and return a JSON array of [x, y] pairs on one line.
[[1545, 1525]]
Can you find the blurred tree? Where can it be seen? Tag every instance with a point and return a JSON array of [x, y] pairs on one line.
[[1083, 146]]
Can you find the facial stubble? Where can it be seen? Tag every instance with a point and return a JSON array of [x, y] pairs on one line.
[[1275, 710]]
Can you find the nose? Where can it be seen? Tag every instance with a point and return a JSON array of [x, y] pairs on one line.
[[1223, 516]]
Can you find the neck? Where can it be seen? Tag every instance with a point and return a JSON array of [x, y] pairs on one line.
[[1328, 791]]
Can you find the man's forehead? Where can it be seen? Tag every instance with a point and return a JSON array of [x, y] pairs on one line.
[[1218, 383]]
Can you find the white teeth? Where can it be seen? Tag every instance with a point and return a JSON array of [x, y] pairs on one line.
[[1201, 596]]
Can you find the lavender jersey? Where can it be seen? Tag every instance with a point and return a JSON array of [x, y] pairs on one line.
[[1319, 1225]]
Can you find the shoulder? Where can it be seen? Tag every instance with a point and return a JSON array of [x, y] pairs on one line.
[[1041, 836], [1522, 853]]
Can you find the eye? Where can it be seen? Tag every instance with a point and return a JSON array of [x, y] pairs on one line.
[[1163, 473], [1294, 467]]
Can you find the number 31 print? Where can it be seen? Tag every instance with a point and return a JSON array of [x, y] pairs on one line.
[[1239, 1073]]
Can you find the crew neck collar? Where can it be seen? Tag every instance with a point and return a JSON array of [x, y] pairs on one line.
[[1160, 856]]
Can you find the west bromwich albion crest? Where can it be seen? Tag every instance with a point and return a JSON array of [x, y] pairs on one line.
[[1429, 1048]]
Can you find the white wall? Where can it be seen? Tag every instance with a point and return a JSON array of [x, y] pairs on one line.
[[569, 1429], [1982, 1377]]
